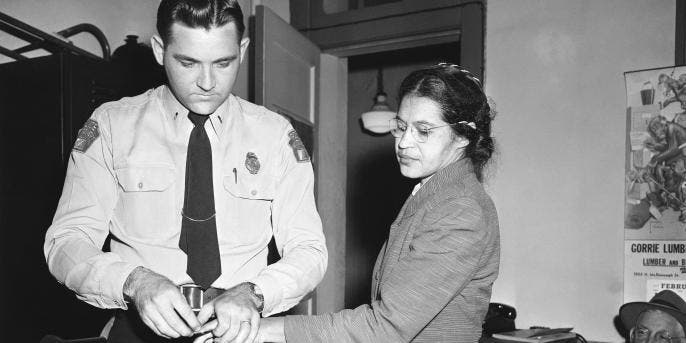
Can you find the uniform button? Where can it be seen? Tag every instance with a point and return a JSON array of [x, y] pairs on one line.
[[140, 185], [253, 192]]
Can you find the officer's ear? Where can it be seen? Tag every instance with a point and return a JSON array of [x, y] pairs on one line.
[[157, 48], [245, 42]]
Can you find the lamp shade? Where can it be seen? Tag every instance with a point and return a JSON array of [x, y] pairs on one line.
[[378, 117]]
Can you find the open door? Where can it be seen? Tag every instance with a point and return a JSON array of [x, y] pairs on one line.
[[286, 73], [286, 82]]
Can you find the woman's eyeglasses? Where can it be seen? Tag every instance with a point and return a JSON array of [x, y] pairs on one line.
[[420, 132]]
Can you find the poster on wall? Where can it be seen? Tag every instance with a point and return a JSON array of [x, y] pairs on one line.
[[655, 183], [651, 266]]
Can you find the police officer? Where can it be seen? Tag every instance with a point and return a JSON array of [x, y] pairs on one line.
[[191, 182]]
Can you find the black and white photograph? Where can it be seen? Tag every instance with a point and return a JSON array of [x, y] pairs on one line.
[[354, 171]]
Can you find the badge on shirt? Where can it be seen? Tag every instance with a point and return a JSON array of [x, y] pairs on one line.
[[87, 135], [252, 163], [298, 147]]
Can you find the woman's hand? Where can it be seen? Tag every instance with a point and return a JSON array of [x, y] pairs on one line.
[[271, 330], [237, 316], [206, 331]]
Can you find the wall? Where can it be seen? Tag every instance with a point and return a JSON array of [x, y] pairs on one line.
[[555, 69], [331, 155]]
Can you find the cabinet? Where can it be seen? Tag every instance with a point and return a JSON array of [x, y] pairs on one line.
[[44, 101]]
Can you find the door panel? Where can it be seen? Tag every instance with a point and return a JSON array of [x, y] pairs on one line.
[[286, 67]]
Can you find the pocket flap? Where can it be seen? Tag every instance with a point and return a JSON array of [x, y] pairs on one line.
[[145, 179], [250, 187]]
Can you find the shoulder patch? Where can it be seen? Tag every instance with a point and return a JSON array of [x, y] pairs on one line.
[[298, 147], [87, 135]]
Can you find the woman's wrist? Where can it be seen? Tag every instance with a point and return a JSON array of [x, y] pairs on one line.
[[272, 330]]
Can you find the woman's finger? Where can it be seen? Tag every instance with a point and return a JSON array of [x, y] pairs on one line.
[[206, 338], [209, 326]]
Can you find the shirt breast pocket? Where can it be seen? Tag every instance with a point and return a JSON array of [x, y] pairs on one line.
[[146, 206], [248, 208]]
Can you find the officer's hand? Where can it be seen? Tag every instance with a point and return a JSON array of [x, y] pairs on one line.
[[236, 312], [160, 304]]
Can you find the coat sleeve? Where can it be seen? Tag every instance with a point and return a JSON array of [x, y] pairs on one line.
[[443, 257], [297, 231], [73, 243]]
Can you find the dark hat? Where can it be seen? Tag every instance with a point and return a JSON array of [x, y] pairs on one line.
[[665, 301]]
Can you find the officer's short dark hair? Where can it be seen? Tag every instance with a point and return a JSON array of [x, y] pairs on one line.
[[198, 13]]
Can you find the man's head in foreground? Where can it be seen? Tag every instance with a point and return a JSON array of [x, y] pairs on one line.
[[661, 320]]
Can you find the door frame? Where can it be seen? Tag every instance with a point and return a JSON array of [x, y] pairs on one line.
[[331, 134]]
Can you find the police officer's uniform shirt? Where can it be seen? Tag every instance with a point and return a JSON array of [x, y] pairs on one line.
[[126, 176]]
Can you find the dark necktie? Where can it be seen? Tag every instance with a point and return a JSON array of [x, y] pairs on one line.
[[198, 226]]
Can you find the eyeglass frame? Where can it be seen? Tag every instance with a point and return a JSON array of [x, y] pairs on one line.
[[668, 338], [413, 129]]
